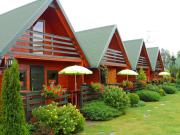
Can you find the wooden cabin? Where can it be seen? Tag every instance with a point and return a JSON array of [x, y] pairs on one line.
[[103, 48], [156, 62], [138, 56], [41, 38]]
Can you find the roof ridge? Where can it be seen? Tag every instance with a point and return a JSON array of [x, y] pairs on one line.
[[152, 47], [134, 39], [95, 28]]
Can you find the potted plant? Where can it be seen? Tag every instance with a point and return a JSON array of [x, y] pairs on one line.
[[52, 92]]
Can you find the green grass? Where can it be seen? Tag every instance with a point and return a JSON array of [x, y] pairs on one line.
[[156, 118]]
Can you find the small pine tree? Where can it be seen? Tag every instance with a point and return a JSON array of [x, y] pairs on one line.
[[142, 75], [13, 113]]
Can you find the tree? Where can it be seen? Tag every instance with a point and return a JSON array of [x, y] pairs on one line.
[[178, 74], [166, 56], [178, 54], [142, 75], [172, 66], [13, 112]]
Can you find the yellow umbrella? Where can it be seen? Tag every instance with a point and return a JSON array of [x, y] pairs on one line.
[[127, 72], [75, 70], [164, 74]]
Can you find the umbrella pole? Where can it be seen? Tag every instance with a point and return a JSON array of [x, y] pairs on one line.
[[75, 90], [127, 77]]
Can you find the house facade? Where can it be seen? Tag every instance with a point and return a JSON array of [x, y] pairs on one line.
[[104, 50], [42, 40], [138, 56], [156, 62]]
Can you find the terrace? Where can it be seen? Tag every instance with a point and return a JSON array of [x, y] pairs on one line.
[[113, 57], [46, 46], [143, 62]]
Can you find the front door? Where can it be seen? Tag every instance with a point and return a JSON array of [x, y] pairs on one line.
[[112, 76], [37, 77]]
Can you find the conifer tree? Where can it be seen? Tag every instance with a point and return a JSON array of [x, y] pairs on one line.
[[13, 112]]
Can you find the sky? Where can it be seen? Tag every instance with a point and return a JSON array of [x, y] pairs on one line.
[[157, 21]]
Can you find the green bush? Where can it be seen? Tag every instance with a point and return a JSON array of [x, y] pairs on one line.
[[156, 89], [142, 75], [134, 98], [116, 97], [169, 89], [148, 96], [13, 112], [178, 84], [99, 111], [62, 120], [140, 104], [1, 112]]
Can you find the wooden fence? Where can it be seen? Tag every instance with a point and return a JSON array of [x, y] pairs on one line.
[[34, 99], [87, 94]]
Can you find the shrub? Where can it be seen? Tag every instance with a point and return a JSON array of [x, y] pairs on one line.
[[62, 120], [98, 110], [148, 96], [13, 112], [142, 75], [116, 97], [134, 99], [98, 87], [127, 84], [156, 89], [140, 104], [1, 112], [169, 89], [141, 84]]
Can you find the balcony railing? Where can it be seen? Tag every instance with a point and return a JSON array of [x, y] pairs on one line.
[[113, 57], [143, 61], [35, 43], [158, 66]]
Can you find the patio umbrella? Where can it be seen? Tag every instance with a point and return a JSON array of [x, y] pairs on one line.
[[75, 70], [164, 74], [127, 72]]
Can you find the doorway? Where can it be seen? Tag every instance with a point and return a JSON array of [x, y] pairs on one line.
[[36, 77]]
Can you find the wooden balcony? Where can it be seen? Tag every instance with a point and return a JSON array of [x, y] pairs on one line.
[[38, 45], [143, 62], [159, 66], [113, 58]]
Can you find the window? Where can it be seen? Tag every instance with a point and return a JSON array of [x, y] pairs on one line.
[[22, 78], [52, 76], [38, 37]]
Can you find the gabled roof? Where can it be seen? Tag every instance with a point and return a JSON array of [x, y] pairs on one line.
[[153, 56], [95, 42], [133, 49], [15, 22]]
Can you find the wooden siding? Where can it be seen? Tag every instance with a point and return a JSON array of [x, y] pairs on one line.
[[65, 81], [94, 78], [57, 43]]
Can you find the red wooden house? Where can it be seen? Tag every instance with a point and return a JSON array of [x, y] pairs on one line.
[[104, 48], [138, 56], [41, 38], [156, 61]]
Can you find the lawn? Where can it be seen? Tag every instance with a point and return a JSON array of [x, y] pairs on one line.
[[156, 118]]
